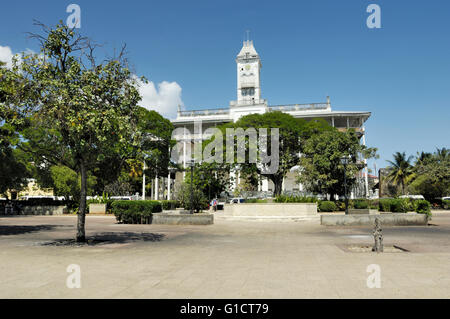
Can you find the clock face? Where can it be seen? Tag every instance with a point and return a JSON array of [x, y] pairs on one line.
[[247, 67]]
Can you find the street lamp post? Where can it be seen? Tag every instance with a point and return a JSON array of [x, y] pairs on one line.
[[143, 181], [344, 161], [192, 164], [169, 183]]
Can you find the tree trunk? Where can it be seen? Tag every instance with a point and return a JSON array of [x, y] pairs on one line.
[[81, 231], [278, 183]]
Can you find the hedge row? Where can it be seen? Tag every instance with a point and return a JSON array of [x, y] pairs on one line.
[[295, 199], [403, 205], [135, 212], [395, 205]]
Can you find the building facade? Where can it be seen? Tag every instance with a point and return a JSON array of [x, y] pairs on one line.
[[249, 101]]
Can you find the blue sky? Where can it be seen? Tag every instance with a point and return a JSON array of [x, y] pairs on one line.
[[309, 49]]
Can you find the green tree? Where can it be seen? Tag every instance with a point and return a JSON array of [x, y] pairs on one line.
[[127, 172], [13, 171], [13, 167], [290, 132], [321, 168], [422, 157], [86, 111], [400, 170], [157, 141], [210, 178], [432, 175], [67, 183]]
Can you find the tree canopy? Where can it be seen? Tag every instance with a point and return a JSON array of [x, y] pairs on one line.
[[431, 175], [321, 168], [81, 111], [290, 130]]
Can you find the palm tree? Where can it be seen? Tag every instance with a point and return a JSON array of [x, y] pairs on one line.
[[400, 170], [422, 157], [442, 153]]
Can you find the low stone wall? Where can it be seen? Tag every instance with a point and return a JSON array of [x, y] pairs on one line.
[[182, 219], [271, 210], [394, 219], [366, 211], [44, 210]]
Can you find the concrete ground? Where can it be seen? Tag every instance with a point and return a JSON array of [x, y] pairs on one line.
[[230, 259]]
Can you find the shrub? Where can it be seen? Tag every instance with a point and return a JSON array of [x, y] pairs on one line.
[[396, 205], [340, 204], [374, 204], [385, 204], [423, 207], [327, 206], [135, 212], [170, 204], [184, 196], [360, 204]]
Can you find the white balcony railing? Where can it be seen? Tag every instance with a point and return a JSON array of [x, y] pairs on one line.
[[299, 107]]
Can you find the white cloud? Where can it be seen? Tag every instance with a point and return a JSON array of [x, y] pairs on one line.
[[164, 99], [6, 55]]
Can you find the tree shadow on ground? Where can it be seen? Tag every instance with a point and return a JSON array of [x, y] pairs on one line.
[[8, 230], [107, 239]]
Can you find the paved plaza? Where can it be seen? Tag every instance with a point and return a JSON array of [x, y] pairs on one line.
[[230, 259]]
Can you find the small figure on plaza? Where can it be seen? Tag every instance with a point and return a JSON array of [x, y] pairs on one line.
[[378, 236]]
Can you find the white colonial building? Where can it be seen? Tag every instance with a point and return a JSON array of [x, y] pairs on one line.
[[249, 101]]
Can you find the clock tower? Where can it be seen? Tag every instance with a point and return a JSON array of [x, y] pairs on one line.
[[248, 72]]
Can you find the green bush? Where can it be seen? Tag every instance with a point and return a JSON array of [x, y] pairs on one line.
[[385, 205], [396, 205], [422, 207], [361, 204], [374, 204], [295, 199], [340, 204], [170, 204], [327, 206], [184, 196], [135, 212]]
